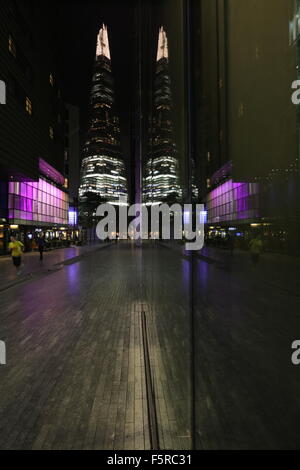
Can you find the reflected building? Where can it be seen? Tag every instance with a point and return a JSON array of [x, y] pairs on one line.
[[103, 172], [246, 145], [33, 194], [161, 182]]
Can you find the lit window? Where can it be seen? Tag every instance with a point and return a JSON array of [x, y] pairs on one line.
[[51, 79], [12, 46], [66, 183], [28, 106], [51, 132]]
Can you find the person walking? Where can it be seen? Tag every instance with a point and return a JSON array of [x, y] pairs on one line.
[[16, 248], [231, 244], [256, 247], [41, 246]]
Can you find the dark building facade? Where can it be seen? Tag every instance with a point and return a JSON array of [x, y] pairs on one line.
[[246, 147], [103, 171], [33, 109], [31, 123], [72, 149]]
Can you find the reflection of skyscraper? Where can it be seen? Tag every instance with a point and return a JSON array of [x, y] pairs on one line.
[[103, 168], [162, 172]]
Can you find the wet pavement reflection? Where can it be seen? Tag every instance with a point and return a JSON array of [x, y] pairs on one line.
[[75, 370]]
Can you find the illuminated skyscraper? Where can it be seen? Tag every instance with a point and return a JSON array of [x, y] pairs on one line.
[[162, 172], [103, 170]]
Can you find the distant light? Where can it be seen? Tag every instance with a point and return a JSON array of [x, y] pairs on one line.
[[73, 217], [203, 217], [186, 217]]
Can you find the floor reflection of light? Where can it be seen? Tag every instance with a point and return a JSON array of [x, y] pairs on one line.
[[186, 268], [73, 275], [202, 272]]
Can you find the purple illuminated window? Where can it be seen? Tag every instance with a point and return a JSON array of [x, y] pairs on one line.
[[231, 201], [39, 201]]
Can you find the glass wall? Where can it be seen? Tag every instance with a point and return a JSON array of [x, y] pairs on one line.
[[222, 323], [166, 274], [217, 127], [233, 201], [37, 202], [245, 299]]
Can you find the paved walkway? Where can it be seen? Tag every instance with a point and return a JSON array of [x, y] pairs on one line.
[[75, 366], [33, 266], [279, 271], [75, 376]]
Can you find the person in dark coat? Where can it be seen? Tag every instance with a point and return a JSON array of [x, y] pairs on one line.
[[41, 245]]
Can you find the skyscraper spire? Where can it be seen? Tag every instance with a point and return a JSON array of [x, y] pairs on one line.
[[102, 43], [162, 49], [162, 183], [103, 171]]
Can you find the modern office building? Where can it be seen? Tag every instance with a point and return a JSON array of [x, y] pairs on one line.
[[31, 125], [103, 171], [72, 150], [161, 181], [72, 160]]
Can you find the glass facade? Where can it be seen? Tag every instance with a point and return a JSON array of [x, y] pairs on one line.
[[37, 202], [295, 43], [162, 167], [233, 201], [103, 175], [165, 285], [103, 169]]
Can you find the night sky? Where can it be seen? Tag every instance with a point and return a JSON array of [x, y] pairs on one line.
[[78, 23]]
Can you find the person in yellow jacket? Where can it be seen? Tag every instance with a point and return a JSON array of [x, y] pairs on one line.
[[16, 249], [256, 247]]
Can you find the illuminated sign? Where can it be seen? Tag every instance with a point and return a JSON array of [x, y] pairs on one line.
[[72, 216]]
